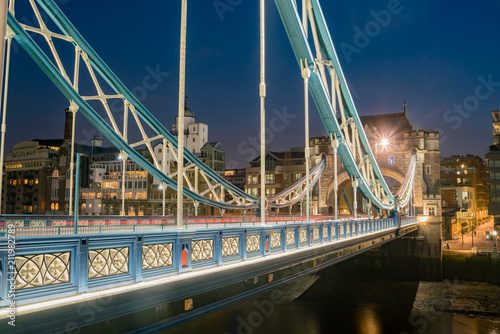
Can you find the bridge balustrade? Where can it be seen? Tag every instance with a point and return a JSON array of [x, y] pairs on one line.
[[51, 267]]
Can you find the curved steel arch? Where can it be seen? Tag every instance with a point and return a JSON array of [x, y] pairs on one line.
[[371, 180]]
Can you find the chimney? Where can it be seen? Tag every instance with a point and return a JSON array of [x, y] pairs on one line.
[[68, 125]]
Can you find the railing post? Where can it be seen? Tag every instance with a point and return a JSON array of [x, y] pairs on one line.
[[137, 249], [81, 265], [4, 277], [77, 190], [182, 253], [218, 248], [243, 245]]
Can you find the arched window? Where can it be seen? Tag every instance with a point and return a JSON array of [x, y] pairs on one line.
[[55, 185]]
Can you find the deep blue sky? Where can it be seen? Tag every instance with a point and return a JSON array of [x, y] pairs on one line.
[[432, 53]]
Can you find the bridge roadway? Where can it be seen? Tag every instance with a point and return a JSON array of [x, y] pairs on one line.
[[153, 281]]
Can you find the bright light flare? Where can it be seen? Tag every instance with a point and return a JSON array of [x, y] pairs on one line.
[[384, 142]]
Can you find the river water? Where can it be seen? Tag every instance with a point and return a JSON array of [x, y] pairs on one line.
[[327, 303]]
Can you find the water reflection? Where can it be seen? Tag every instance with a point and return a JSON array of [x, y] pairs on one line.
[[335, 305]]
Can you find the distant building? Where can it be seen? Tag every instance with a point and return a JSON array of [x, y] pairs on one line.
[[27, 168], [282, 170], [37, 175], [195, 133], [493, 168], [463, 192], [214, 156], [236, 177]]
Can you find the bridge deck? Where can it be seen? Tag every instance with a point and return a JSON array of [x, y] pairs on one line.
[[53, 271]]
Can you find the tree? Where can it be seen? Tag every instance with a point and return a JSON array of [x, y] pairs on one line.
[[463, 230]]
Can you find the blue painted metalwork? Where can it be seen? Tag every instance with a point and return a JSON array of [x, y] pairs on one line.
[[288, 12], [77, 190], [293, 25], [71, 94], [85, 275]]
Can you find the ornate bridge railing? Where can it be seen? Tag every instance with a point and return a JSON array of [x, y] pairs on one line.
[[64, 225], [44, 268]]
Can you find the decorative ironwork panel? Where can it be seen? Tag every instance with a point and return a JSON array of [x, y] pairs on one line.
[[290, 238], [202, 250], [334, 231], [325, 233], [37, 223], [157, 255], [341, 227], [275, 240], [18, 223], [60, 223], [303, 236], [42, 269], [230, 246], [253, 243], [348, 229], [315, 234], [108, 262]]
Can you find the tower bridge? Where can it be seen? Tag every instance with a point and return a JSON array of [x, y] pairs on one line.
[[51, 267], [393, 140]]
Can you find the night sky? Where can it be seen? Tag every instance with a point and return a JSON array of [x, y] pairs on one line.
[[443, 57]]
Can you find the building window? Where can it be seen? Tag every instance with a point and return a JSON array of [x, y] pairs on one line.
[[297, 176], [254, 179], [391, 160], [432, 210], [427, 169], [194, 139], [55, 189], [270, 179]]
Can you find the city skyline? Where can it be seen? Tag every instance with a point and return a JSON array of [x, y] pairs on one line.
[[389, 51]]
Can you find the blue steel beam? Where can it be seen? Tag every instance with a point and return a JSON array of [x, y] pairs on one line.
[[114, 82], [328, 50], [300, 46], [71, 94]]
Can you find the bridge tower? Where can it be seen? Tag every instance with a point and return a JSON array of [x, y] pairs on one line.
[[392, 139]]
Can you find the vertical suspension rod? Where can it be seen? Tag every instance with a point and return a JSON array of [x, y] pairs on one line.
[[262, 94], [164, 168], [305, 75], [335, 184], [3, 35], [180, 130]]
